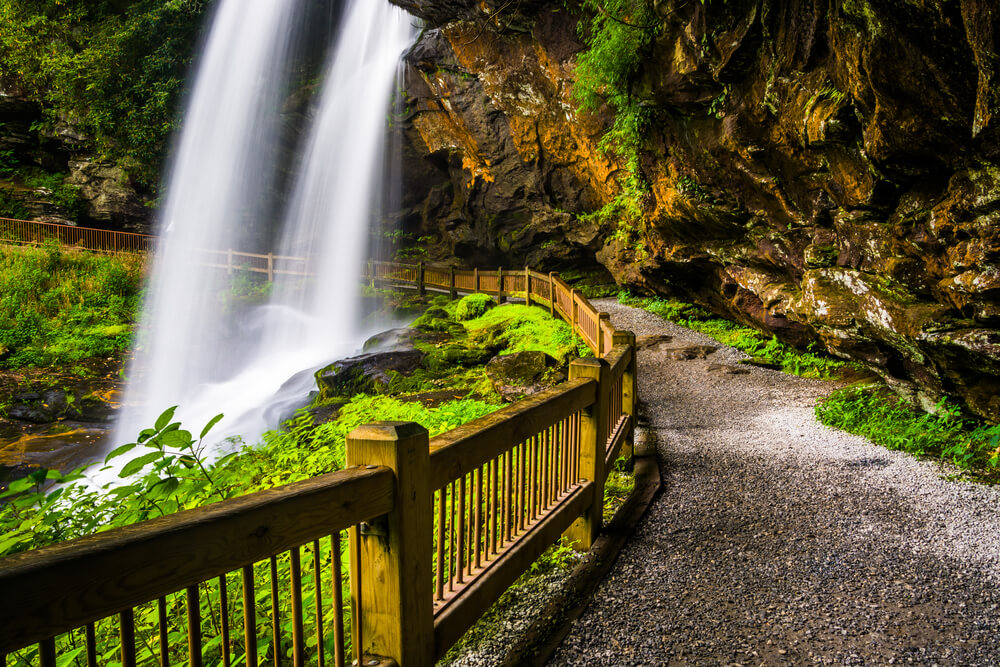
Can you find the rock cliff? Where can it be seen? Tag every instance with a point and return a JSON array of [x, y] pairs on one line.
[[826, 170]]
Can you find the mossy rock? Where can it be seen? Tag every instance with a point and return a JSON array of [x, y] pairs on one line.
[[367, 373], [473, 306], [451, 357], [425, 323]]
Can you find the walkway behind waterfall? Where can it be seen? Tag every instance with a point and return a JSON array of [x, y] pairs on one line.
[[777, 541]]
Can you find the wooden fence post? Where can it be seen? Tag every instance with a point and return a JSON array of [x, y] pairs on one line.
[[475, 280], [229, 262], [371, 273], [451, 284], [602, 344], [270, 267], [501, 297], [552, 294], [393, 567], [574, 317], [593, 448], [420, 279], [629, 390], [527, 286]]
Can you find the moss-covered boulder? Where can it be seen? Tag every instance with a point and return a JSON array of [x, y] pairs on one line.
[[523, 374], [366, 373]]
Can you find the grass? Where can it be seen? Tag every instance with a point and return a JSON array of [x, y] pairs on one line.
[[763, 349], [60, 305], [874, 412]]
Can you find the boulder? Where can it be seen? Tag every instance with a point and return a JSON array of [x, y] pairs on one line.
[[366, 372], [522, 374]]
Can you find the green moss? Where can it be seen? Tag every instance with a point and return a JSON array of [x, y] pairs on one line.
[[473, 306], [516, 328]]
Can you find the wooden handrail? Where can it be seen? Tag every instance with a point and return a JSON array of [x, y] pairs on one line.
[[65, 586]]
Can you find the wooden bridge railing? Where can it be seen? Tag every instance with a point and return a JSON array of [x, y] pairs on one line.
[[466, 512]]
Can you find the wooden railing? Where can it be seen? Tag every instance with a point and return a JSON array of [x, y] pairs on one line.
[[466, 512], [99, 240]]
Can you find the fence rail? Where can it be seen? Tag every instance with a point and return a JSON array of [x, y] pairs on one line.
[[466, 512], [99, 240]]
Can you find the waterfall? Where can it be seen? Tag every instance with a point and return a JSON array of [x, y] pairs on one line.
[[252, 366]]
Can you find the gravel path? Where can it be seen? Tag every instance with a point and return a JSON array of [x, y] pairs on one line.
[[778, 541]]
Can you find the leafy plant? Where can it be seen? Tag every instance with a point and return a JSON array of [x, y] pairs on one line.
[[618, 35], [874, 412], [58, 306]]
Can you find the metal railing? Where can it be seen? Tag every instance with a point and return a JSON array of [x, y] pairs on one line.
[[467, 512]]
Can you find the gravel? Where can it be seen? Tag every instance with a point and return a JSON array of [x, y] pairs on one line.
[[779, 541]]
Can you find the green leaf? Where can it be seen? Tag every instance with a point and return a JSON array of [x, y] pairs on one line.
[[208, 427], [164, 418], [179, 439], [120, 450], [146, 434], [137, 464]]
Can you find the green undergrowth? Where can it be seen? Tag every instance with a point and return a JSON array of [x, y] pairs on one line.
[[764, 349], [874, 412], [58, 306]]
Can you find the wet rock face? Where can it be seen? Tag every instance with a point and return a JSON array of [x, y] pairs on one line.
[[822, 169]]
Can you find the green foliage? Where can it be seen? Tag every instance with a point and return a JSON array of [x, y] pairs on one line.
[[472, 306], [11, 207], [58, 306], [114, 70], [52, 187], [763, 349], [518, 328], [618, 36], [877, 414], [618, 487]]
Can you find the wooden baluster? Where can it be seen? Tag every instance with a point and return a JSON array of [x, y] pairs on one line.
[[494, 510], [508, 496], [298, 631], [275, 624], [461, 530], [92, 645], [126, 637], [249, 617], [336, 582], [479, 518], [47, 652], [452, 537], [194, 626], [161, 613], [224, 620], [318, 604], [441, 518]]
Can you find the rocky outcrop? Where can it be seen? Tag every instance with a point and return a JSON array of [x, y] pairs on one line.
[[825, 170], [35, 157]]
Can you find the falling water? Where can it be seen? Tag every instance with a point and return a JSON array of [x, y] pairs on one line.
[[252, 366]]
